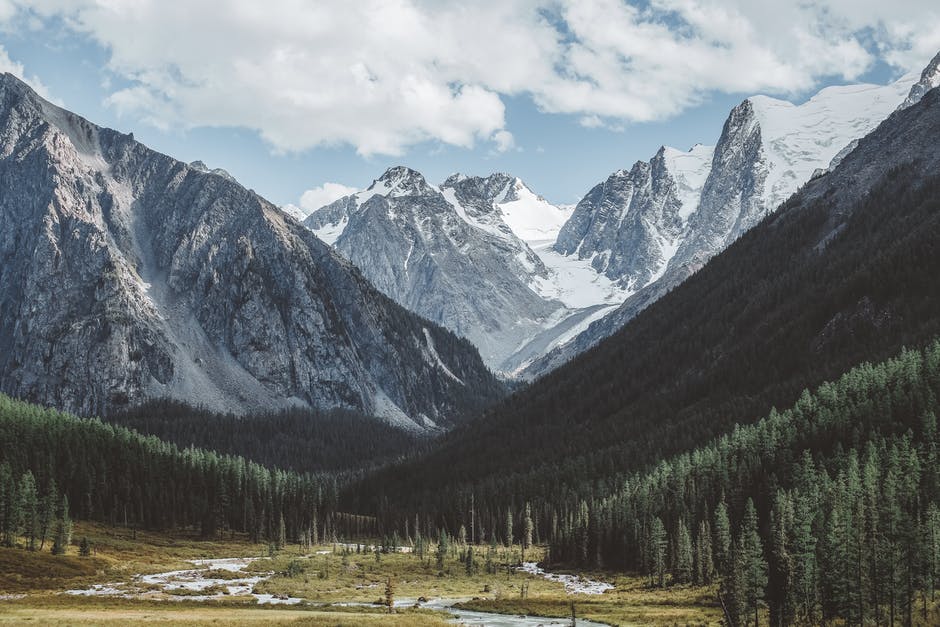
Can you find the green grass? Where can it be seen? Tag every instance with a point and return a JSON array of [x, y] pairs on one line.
[[319, 578]]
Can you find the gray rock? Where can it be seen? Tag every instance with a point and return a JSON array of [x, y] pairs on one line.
[[445, 254], [127, 275]]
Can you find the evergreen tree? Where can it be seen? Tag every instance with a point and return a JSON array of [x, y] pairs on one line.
[[657, 553], [683, 569], [754, 576], [281, 533], [780, 588], [47, 508], [507, 534], [28, 509], [704, 564], [722, 539], [62, 535], [442, 548], [9, 506]]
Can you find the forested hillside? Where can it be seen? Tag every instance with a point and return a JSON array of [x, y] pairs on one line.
[[844, 272], [114, 475], [301, 439], [828, 509]]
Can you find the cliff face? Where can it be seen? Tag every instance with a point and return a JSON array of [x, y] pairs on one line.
[[128, 275]]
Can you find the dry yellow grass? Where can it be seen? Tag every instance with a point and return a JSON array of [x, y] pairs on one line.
[[317, 577]]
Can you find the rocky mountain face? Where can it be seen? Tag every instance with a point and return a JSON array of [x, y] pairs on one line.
[[632, 230], [630, 225], [446, 253], [126, 275]]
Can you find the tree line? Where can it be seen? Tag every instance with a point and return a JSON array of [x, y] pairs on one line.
[[775, 313], [101, 472], [828, 510]]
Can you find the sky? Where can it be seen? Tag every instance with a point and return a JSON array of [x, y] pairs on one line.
[[306, 100]]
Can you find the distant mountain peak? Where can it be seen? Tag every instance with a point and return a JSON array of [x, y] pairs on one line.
[[929, 79], [401, 181]]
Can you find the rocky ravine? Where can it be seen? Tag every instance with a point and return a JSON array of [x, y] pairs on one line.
[[128, 275]]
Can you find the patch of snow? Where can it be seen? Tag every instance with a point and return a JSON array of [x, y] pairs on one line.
[[797, 139], [329, 233], [690, 170], [574, 282], [531, 217], [386, 409], [295, 212], [437, 358]]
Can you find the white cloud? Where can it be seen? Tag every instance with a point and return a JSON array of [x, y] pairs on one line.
[[313, 199], [16, 69], [383, 75], [504, 140]]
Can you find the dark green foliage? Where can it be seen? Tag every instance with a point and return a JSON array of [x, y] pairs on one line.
[[114, 475], [302, 440], [774, 314]]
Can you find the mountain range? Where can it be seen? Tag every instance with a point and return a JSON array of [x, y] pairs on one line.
[[543, 296], [842, 273], [127, 275]]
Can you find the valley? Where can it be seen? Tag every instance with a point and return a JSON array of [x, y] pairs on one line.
[[143, 575], [703, 390]]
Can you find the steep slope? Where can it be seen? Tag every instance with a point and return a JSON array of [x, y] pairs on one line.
[[845, 271], [768, 148], [127, 275], [444, 253], [508, 203], [630, 225]]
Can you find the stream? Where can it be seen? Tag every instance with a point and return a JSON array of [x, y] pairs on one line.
[[197, 584]]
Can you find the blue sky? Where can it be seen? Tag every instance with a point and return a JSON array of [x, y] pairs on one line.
[[563, 125]]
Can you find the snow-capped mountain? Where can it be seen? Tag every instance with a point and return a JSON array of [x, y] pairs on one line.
[[128, 275], [460, 255], [768, 148], [630, 226], [294, 211], [445, 253], [501, 201]]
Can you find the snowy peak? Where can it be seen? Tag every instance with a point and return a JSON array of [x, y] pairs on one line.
[[929, 79], [400, 181], [627, 226], [689, 170], [508, 203], [799, 138]]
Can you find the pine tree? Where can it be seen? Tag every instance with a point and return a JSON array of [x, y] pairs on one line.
[[9, 506], [722, 539], [28, 509], [780, 593], [281, 533], [527, 527], [442, 548], [683, 570], [754, 577], [47, 507], [657, 553], [507, 536], [62, 536], [704, 564], [470, 562]]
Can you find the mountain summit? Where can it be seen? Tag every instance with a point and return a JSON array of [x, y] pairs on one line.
[[128, 275]]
